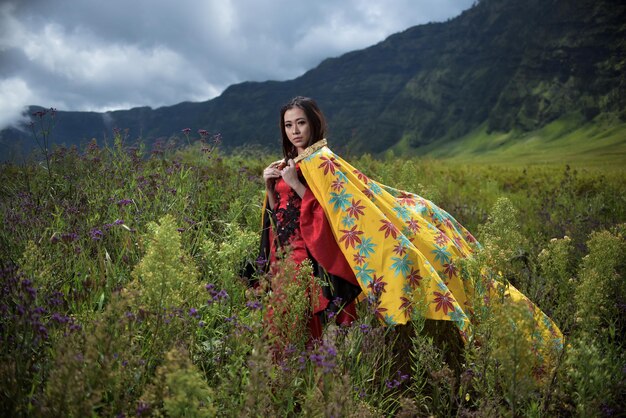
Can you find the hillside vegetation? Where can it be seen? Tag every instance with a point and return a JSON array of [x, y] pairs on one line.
[[120, 294]]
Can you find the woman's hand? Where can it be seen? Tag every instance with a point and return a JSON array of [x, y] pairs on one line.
[[271, 173], [290, 175]]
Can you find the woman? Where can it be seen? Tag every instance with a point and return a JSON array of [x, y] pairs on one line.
[[402, 251], [301, 229]]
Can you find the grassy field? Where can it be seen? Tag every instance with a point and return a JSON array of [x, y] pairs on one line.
[[121, 293], [565, 141]]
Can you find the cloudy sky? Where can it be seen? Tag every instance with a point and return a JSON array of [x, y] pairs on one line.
[[116, 54]]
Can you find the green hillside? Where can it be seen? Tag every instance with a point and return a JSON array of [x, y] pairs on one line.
[[565, 141]]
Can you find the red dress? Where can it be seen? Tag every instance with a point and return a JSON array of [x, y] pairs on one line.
[[302, 227]]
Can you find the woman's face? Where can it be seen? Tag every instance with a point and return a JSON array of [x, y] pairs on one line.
[[297, 128]]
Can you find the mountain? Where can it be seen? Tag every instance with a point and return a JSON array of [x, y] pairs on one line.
[[501, 66]]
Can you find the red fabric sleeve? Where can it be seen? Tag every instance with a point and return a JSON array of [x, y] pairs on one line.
[[320, 241]]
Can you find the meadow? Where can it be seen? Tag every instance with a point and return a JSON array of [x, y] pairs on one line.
[[121, 292]]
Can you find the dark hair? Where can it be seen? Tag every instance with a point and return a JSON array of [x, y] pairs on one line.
[[315, 117]]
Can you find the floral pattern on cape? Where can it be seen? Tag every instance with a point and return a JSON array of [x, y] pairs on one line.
[[404, 250]]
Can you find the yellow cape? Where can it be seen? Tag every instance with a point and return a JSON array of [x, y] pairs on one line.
[[404, 250]]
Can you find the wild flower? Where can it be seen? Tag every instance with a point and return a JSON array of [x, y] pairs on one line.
[[124, 202], [96, 234], [179, 389], [168, 277], [261, 261], [324, 357], [397, 380], [254, 305], [216, 295], [42, 136], [602, 286]]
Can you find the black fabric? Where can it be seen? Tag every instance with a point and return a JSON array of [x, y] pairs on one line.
[[338, 291], [287, 219]]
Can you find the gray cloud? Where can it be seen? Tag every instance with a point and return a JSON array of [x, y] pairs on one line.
[[94, 55]]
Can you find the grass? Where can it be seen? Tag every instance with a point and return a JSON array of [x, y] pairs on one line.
[[564, 141], [120, 291]]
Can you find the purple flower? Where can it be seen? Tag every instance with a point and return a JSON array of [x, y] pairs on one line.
[[254, 305], [96, 234], [62, 319], [143, 409], [124, 202], [215, 295], [42, 331], [261, 261], [316, 358], [324, 358], [392, 384], [32, 292], [118, 222], [55, 299], [201, 324], [360, 391], [69, 237], [186, 131], [203, 133]]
